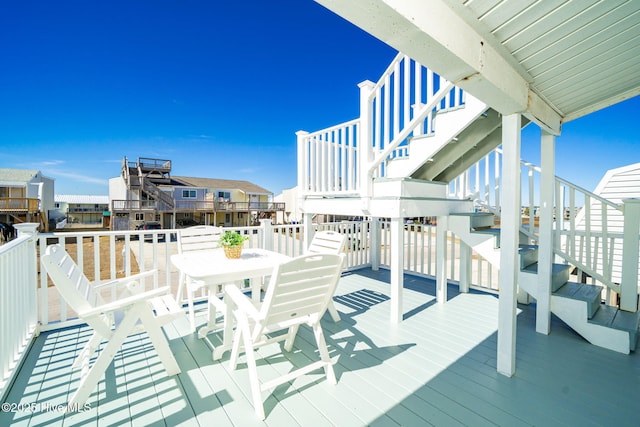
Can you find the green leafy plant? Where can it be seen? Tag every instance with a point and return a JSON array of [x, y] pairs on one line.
[[232, 239]]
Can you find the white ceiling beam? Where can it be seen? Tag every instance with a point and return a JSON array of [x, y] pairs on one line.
[[434, 35]]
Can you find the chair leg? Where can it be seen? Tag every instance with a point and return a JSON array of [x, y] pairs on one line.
[[89, 381], [291, 336], [88, 350], [159, 341], [324, 353], [331, 308], [237, 339], [253, 374]]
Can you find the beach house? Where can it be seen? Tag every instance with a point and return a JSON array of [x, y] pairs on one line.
[[425, 337], [25, 196], [147, 191]]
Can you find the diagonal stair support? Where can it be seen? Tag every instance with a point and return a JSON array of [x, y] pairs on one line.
[[449, 125]]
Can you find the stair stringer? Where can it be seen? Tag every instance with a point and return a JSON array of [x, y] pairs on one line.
[[483, 243], [574, 313], [447, 125], [571, 311]]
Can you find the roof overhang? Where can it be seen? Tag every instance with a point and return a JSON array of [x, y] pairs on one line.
[[552, 62]]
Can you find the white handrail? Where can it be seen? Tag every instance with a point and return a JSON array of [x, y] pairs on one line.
[[583, 235], [18, 305]]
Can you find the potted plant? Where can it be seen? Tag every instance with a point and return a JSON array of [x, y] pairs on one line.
[[232, 243]]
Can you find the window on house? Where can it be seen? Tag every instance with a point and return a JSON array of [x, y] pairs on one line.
[[188, 194], [224, 195], [139, 217]]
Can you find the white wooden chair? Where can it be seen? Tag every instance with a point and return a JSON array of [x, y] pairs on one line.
[[298, 292], [112, 322], [328, 242], [196, 238]]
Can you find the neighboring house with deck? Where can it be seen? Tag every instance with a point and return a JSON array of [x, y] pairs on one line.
[[81, 211], [26, 195], [146, 191]]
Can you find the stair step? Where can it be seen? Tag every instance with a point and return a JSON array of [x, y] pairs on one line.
[[591, 294], [613, 317], [492, 231], [478, 219], [528, 255], [559, 274]]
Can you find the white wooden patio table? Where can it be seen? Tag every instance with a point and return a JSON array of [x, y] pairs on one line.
[[213, 268]]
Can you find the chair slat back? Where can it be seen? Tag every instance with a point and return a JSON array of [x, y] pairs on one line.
[[72, 284], [199, 237], [301, 288], [327, 242]]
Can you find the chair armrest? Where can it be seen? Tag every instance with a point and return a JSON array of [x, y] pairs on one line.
[[241, 301], [125, 302], [124, 280]]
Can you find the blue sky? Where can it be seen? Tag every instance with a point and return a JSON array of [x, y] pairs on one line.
[[219, 88]]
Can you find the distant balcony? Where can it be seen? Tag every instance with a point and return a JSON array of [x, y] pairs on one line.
[[19, 204], [196, 205], [88, 209], [248, 206], [134, 205]]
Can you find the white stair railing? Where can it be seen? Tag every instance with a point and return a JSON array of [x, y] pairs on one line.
[[328, 160], [588, 229], [342, 160]]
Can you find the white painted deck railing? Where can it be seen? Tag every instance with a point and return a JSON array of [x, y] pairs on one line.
[[589, 231], [155, 253], [18, 303], [23, 293], [402, 105]]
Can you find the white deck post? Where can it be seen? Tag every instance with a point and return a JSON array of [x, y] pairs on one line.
[[302, 164], [307, 230], [365, 146], [545, 244], [465, 267], [374, 243], [441, 260], [509, 239], [267, 234], [629, 279], [397, 269]]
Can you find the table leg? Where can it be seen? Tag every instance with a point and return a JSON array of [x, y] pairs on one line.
[[211, 313], [227, 334]]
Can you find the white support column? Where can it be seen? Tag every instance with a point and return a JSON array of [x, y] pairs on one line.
[[302, 163], [308, 230], [509, 239], [465, 267], [545, 243], [629, 280], [267, 234], [374, 244], [397, 269], [441, 260], [365, 146]]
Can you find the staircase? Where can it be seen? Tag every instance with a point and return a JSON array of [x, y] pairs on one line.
[[579, 305], [422, 147], [142, 177]]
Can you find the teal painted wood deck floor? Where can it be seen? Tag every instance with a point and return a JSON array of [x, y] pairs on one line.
[[436, 368]]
